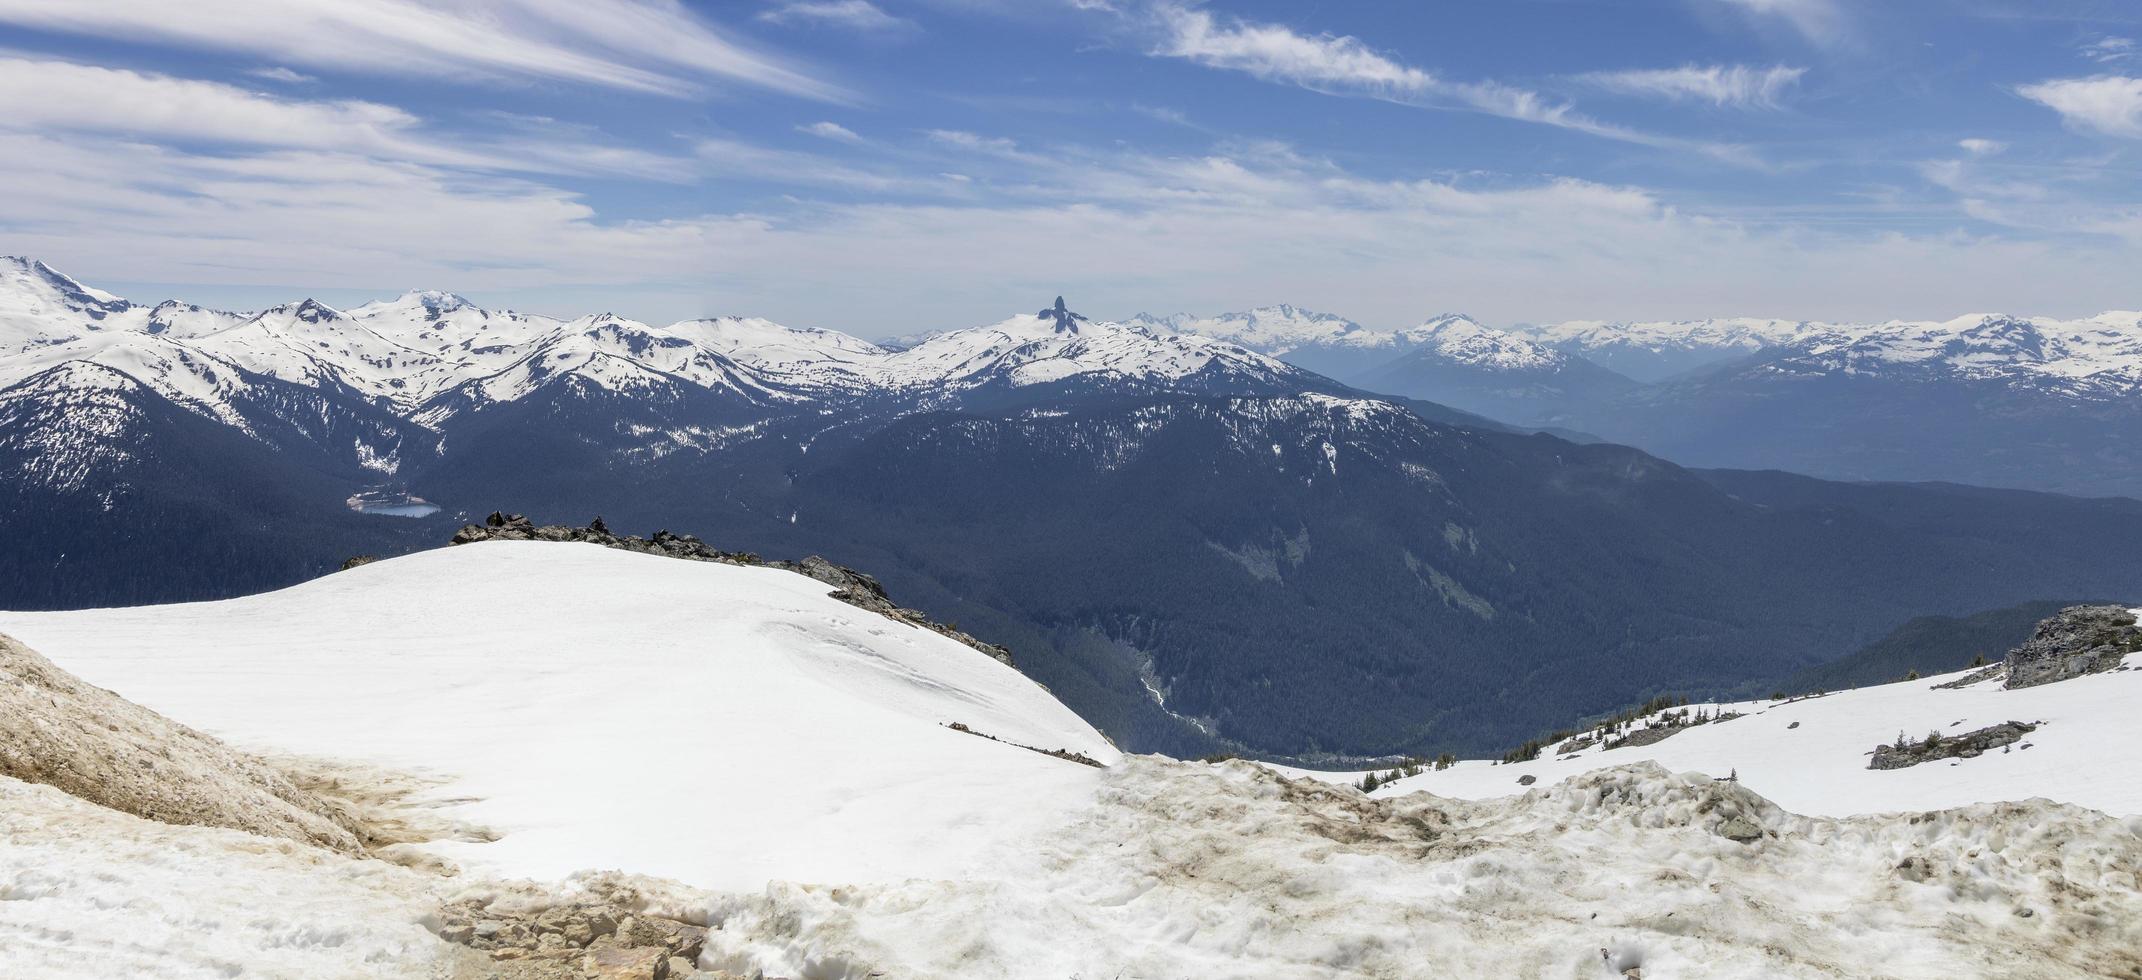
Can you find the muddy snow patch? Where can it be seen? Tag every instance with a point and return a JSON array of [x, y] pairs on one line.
[[1234, 871]]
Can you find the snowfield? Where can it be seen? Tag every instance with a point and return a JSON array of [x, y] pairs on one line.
[[786, 759], [1810, 756], [593, 708]]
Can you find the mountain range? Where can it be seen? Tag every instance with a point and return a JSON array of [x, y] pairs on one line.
[[2029, 402], [1198, 546]]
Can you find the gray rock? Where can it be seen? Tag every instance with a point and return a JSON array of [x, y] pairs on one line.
[[2080, 640], [1740, 830], [1969, 745]]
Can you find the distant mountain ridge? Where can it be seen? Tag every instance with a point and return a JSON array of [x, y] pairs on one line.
[[1991, 399]]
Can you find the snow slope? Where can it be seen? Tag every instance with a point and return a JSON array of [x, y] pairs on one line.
[[720, 725], [734, 728], [1810, 756]]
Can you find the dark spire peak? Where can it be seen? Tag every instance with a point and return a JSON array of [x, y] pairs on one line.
[[1066, 321]]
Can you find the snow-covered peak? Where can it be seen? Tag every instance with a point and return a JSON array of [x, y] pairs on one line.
[[1056, 344], [25, 280], [2099, 356], [39, 306], [1460, 338], [1276, 330], [431, 303], [1724, 333], [177, 319], [185, 375], [303, 311], [805, 355]]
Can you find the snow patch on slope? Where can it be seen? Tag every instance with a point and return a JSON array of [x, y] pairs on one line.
[[719, 725]]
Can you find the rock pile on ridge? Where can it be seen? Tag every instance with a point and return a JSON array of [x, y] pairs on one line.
[[2080, 640], [849, 585]]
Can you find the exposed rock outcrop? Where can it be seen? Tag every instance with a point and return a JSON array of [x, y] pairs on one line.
[[96, 745], [1969, 745], [612, 931], [2081, 640], [849, 585]]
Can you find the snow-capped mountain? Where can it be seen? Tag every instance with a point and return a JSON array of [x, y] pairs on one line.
[[1322, 342], [1456, 361], [1987, 399], [1176, 502], [1651, 351]]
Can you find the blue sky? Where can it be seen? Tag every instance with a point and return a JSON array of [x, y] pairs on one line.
[[884, 166]]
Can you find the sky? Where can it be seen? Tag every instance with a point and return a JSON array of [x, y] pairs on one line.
[[889, 166]]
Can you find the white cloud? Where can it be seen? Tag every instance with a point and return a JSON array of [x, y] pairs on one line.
[[283, 75], [1173, 117], [1822, 21], [1736, 86], [1981, 147], [61, 96], [1114, 229], [646, 45], [2109, 104], [40, 95], [2110, 50], [855, 15], [831, 131], [1347, 66]]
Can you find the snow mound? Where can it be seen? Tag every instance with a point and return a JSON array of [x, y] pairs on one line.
[[91, 892], [1235, 871], [594, 708], [94, 744]]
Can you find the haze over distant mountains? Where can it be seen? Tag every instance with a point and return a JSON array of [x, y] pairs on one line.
[[1197, 545], [1998, 400]]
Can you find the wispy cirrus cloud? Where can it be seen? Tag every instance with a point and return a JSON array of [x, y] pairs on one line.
[[2108, 104], [2109, 50], [1821, 21], [854, 15], [831, 131], [1726, 86], [47, 96], [644, 45], [284, 75], [1346, 65]]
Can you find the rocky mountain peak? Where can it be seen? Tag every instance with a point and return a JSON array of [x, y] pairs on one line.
[[1066, 321]]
